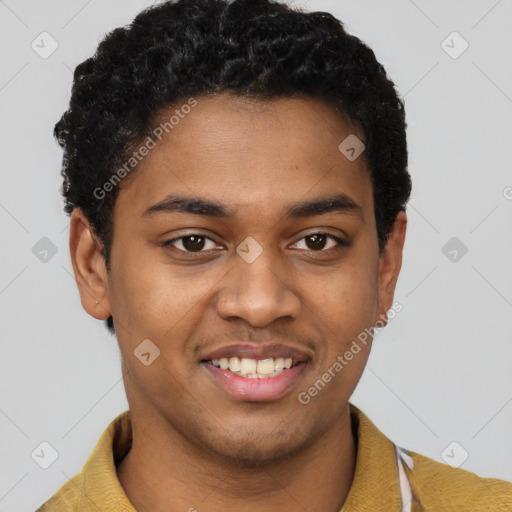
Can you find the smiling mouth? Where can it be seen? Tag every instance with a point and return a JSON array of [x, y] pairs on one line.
[[254, 368]]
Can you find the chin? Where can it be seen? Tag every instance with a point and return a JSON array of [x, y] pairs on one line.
[[257, 450]]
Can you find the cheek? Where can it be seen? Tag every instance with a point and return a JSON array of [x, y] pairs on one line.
[[142, 297], [149, 302], [348, 295], [345, 306], [344, 309], [154, 300]]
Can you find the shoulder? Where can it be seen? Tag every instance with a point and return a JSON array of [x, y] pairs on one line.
[[65, 499], [97, 484], [439, 487]]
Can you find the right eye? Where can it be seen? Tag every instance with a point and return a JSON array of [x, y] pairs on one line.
[[191, 243]]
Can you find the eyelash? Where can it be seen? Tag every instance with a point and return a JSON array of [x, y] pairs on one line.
[[340, 243]]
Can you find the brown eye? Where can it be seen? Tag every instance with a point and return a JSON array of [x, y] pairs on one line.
[[321, 242], [316, 242], [192, 243]]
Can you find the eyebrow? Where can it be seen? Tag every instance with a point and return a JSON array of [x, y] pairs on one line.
[[340, 203]]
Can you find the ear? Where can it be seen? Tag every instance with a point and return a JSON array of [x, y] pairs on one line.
[[89, 267], [389, 266]]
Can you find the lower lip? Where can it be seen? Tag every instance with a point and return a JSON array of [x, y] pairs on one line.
[[256, 390]]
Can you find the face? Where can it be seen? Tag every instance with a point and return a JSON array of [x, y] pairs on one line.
[[245, 238]]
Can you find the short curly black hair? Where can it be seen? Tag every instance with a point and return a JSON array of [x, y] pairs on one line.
[[258, 49]]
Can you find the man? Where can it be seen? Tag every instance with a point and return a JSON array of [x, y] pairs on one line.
[[236, 175]]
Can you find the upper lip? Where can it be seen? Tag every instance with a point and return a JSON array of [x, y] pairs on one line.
[[257, 351]]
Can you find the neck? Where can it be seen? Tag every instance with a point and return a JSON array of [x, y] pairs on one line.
[[317, 479]]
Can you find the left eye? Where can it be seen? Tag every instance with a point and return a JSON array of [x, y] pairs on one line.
[[320, 242]]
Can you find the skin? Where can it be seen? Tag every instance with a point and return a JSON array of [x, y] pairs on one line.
[[194, 445]]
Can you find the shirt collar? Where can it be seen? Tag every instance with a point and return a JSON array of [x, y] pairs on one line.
[[100, 485], [374, 487]]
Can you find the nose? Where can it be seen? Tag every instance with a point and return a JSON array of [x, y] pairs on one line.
[[258, 292]]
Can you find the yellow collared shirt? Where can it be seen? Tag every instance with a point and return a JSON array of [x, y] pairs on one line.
[[387, 478]]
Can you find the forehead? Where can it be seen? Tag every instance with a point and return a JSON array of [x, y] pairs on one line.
[[245, 152]]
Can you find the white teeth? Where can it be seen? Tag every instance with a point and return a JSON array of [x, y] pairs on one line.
[[266, 366], [254, 368], [248, 365], [234, 364]]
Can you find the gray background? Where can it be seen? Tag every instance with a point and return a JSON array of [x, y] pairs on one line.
[[440, 372]]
